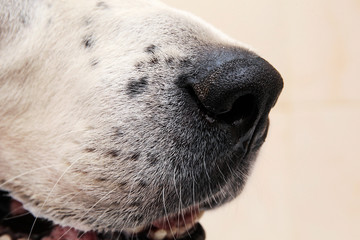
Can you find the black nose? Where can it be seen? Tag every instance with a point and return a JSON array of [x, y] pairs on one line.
[[238, 92]]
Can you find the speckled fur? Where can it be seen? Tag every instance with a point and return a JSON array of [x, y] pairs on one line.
[[94, 131]]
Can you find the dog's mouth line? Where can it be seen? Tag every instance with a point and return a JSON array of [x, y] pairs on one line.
[[18, 223], [173, 226]]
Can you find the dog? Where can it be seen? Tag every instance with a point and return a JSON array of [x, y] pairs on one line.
[[126, 116]]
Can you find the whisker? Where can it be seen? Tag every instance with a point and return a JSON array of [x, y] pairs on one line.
[[177, 193], [101, 199], [182, 214], [64, 234], [209, 179], [133, 182], [25, 173], [7, 217], [167, 216], [118, 237], [72, 197], [193, 193], [130, 193], [223, 176], [42, 206]]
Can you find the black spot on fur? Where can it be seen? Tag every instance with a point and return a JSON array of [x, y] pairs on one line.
[[170, 60], [87, 21], [135, 157], [135, 204], [102, 5], [139, 65], [137, 87], [67, 215], [154, 60], [143, 184], [94, 62], [150, 49], [113, 153], [90, 150], [185, 62], [101, 179], [122, 184], [136, 218], [82, 171], [117, 132], [88, 41], [23, 20], [151, 159]]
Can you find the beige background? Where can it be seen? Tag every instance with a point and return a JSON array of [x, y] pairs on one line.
[[306, 183]]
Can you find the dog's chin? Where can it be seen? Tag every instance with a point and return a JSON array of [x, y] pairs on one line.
[[173, 224], [17, 223]]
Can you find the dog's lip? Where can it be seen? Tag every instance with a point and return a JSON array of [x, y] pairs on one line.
[[181, 225], [181, 219], [173, 226]]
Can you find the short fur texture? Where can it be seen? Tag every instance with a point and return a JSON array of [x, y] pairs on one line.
[[95, 133]]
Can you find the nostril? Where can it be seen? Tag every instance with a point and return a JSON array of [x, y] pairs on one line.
[[242, 112]]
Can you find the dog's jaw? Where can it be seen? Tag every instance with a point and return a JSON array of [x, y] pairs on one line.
[[17, 223]]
